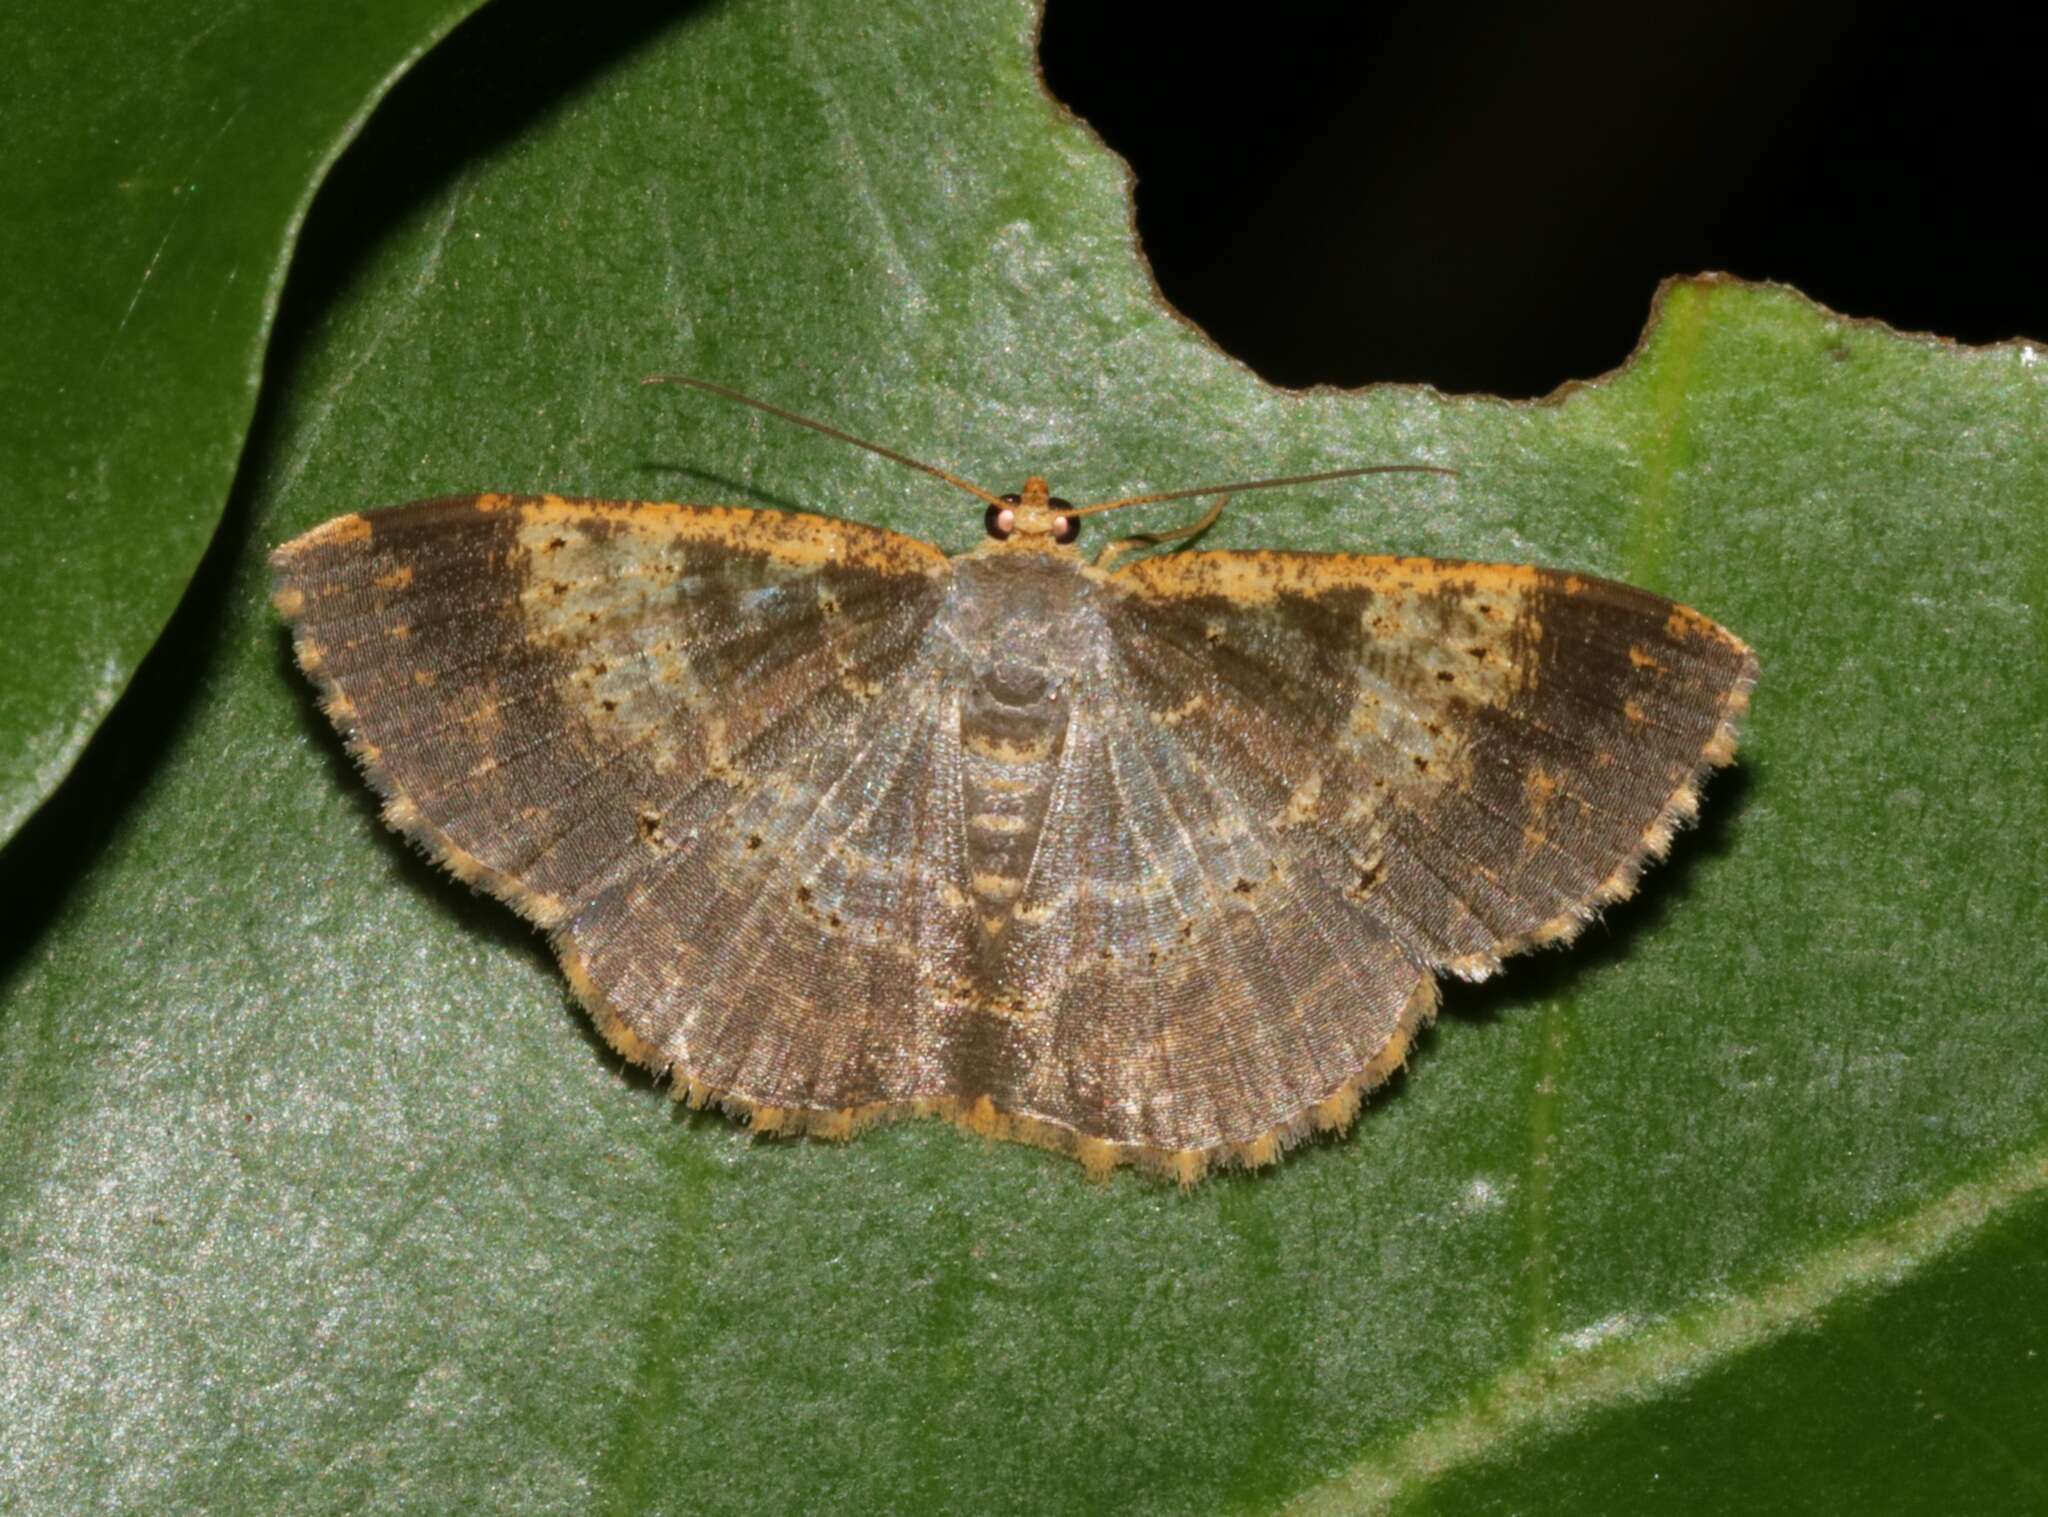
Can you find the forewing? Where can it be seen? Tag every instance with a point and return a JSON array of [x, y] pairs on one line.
[[554, 696], [1476, 757]]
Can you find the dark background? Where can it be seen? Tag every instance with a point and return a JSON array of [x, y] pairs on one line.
[[1484, 197]]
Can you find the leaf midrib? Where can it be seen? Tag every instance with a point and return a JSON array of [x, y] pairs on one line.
[[1546, 1394]]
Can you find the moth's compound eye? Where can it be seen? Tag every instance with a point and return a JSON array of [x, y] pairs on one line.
[[1065, 529], [1001, 521]]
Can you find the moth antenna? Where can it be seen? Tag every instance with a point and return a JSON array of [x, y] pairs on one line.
[[833, 432], [1258, 484]]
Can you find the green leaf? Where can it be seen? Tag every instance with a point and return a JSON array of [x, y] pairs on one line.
[[160, 158], [318, 1193]]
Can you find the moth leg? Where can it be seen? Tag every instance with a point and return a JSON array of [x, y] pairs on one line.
[[1154, 539]]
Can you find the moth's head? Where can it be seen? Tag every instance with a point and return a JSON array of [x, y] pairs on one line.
[[1034, 513]]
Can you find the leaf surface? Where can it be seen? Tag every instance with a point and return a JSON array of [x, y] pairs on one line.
[[160, 159]]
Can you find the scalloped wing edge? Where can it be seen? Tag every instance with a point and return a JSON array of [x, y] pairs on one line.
[[1098, 1156], [1680, 810]]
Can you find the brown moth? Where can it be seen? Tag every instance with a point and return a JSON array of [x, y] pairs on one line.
[[1154, 862]]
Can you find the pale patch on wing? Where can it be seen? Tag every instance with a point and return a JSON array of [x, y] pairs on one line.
[[612, 603], [653, 611]]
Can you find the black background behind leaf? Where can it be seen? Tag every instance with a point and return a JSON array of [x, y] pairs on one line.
[[1324, 190]]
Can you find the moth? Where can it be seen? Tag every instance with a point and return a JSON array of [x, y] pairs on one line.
[[1145, 858]]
